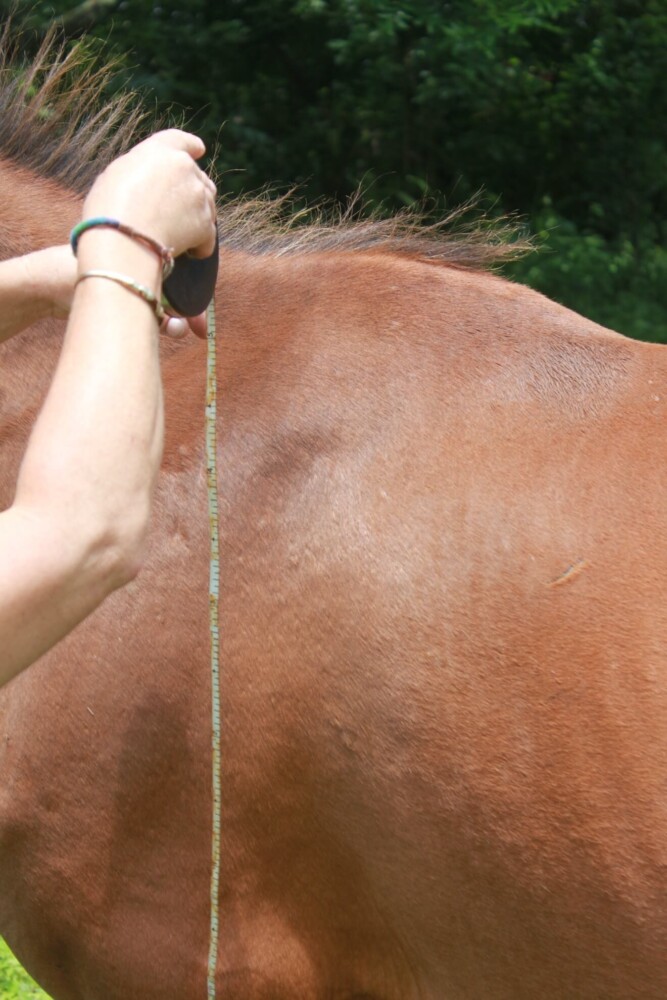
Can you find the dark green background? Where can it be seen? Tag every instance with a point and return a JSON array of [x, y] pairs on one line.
[[555, 108]]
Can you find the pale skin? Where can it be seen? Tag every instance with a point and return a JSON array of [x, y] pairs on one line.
[[75, 530]]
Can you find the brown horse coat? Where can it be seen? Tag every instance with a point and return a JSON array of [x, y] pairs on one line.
[[444, 653]]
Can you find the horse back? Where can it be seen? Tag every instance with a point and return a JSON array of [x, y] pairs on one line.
[[443, 650]]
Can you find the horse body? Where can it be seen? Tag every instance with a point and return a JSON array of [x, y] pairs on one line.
[[443, 655]]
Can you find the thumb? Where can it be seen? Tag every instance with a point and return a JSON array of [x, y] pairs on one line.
[[199, 325]]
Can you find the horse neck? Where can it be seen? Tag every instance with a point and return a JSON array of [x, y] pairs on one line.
[[36, 213]]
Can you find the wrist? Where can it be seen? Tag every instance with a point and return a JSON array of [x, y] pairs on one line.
[[36, 284], [48, 281], [165, 254], [112, 250]]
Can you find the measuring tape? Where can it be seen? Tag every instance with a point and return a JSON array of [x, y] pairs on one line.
[[213, 605]]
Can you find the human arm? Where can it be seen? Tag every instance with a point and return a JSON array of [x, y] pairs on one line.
[[41, 284], [34, 287], [75, 530]]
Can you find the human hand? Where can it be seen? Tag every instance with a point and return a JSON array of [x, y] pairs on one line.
[[159, 190]]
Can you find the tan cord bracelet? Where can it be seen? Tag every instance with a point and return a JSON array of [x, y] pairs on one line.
[[132, 286]]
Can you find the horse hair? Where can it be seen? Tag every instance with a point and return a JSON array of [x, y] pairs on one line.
[[54, 123]]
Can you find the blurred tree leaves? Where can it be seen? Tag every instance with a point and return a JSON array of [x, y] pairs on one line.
[[555, 107]]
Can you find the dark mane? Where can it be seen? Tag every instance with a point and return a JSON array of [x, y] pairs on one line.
[[52, 119], [53, 122]]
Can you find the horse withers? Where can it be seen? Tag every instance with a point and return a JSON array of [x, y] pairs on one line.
[[443, 637]]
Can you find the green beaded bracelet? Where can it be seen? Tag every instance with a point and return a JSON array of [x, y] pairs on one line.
[[166, 254]]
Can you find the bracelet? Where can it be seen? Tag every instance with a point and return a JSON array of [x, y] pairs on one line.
[[132, 286], [166, 254]]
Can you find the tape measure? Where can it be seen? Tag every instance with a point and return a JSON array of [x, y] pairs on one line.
[[214, 623]]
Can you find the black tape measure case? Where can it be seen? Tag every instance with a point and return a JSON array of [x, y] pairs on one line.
[[190, 286]]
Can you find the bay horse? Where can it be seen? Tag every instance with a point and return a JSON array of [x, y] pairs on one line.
[[444, 632]]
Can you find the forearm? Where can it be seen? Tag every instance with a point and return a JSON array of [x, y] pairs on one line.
[[48, 584], [33, 287], [95, 449], [75, 530], [21, 304]]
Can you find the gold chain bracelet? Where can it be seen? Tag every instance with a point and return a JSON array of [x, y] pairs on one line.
[[132, 286]]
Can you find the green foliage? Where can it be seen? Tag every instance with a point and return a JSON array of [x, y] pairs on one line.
[[556, 105], [15, 983], [614, 282]]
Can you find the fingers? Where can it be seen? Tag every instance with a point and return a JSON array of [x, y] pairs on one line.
[[199, 325], [174, 326], [210, 217], [205, 249], [194, 146], [177, 326], [178, 139], [209, 184], [159, 189]]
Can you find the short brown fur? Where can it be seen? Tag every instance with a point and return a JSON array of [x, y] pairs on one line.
[[443, 652]]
